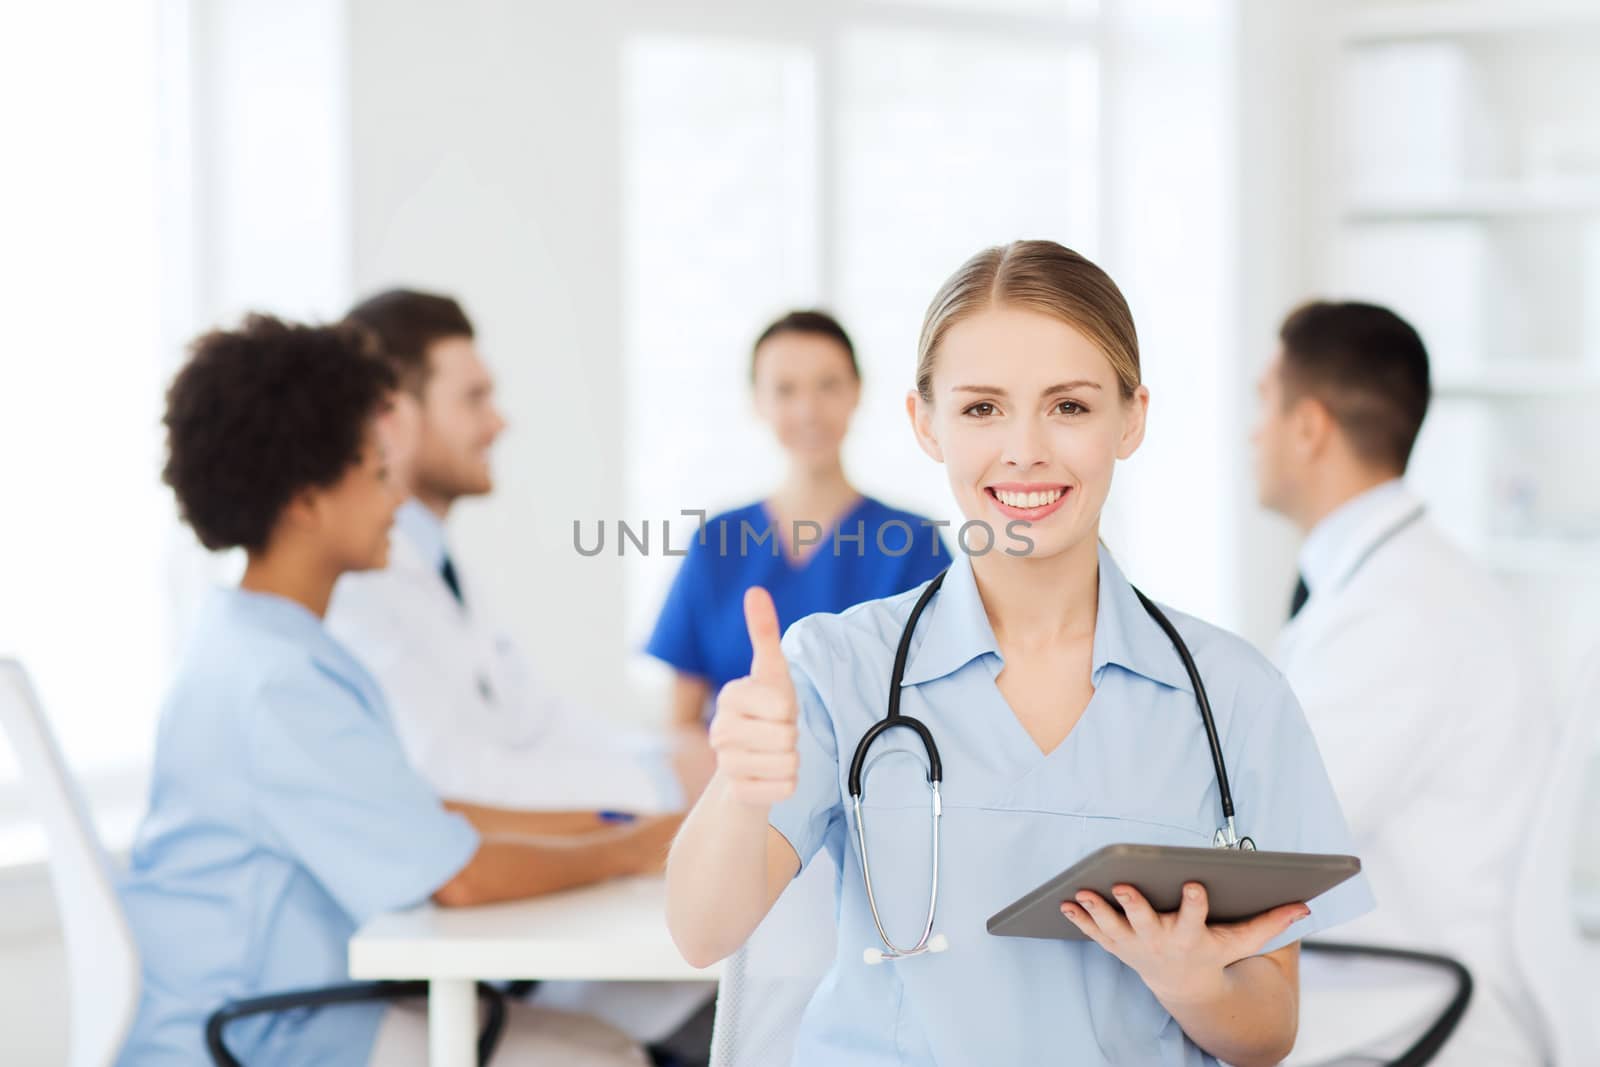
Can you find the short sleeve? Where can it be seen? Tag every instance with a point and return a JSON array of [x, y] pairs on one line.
[[1285, 801], [675, 640], [815, 811], [334, 789]]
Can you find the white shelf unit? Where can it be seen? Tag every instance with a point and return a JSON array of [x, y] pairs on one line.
[[1460, 18], [1461, 185], [1549, 382], [1483, 201]]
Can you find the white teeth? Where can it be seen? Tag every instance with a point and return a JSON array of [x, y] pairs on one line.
[[1028, 500]]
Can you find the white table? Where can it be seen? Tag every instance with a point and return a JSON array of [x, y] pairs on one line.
[[616, 931]]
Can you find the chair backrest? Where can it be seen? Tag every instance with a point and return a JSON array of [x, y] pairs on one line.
[[767, 984], [1549, 946], [102, 957]]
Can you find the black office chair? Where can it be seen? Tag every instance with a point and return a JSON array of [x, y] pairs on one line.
[[354, 993], [1426, 1047]]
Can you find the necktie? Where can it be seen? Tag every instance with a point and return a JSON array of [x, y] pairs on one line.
[[1301, 595], [447, 571]]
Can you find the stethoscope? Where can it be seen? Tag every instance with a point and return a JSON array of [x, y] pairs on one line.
[[1226, 836]]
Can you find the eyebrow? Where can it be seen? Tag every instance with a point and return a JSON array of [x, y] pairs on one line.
[[1061, 387]]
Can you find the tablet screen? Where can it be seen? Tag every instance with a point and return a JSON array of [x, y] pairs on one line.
[[1239, 884]]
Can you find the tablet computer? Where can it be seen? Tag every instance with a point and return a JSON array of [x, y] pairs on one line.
[[1239, 884]]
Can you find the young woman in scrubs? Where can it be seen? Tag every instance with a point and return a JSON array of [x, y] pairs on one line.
[[816, 544], [1065, 721], [283, 813]]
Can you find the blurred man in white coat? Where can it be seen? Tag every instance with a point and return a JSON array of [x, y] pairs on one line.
[[475, 721], [1405, 658]]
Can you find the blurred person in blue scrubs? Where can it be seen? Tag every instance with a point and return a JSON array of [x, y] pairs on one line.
[[1065, 721], [816, 543], [1406, 656], [283, 813]]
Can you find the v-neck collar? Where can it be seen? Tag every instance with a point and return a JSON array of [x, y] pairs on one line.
[[955, 631], [791, 565]]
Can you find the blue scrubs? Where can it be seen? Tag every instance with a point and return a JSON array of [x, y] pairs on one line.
[[283, 814], [873, 551], [1136, 768]]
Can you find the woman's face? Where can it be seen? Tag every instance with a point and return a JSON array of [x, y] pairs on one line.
[[354, 514], [806, 390], [1029, 420]]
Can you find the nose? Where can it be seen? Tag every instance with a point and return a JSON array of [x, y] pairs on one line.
[[1024, 447]]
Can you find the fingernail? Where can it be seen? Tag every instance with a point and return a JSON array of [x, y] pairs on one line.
[[1192, 893], [1305, 912], [1123, 897], [1085, 902]]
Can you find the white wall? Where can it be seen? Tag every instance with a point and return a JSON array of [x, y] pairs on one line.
[[1275, 165], [486, 156], [33, 976]]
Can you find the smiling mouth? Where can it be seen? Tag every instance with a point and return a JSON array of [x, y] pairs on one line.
[[1031, 503]]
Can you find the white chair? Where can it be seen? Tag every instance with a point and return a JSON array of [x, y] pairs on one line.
[[102, 957], [767, 984], [1548, 942]]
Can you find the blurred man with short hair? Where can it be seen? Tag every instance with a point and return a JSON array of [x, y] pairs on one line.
[[1404, 655]]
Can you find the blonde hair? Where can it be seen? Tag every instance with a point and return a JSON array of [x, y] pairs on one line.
[[1041, 276]]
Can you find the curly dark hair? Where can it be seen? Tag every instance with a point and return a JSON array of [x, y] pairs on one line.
[[262, 413]]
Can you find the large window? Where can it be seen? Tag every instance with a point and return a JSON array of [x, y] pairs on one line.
[[85, 524], [181, 164], [851, 163]]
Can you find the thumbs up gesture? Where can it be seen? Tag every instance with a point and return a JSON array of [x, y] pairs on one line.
[[754, 731]]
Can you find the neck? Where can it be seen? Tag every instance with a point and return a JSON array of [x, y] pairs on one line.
[[1034, 602], [438, 503], [295, 576], [815, 492], [1336, 489]]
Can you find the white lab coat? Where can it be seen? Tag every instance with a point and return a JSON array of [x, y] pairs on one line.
[[475, 721], [1407, 665]]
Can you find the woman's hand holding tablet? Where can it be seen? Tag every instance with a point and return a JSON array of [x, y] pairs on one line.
[[1163, 921], [1177, 954]]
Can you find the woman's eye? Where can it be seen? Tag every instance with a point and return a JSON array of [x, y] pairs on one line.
[[982, 409], [1070, 407]]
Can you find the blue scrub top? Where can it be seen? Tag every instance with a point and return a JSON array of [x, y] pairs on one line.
[[873, 551], [283, 814], [1136, 768]]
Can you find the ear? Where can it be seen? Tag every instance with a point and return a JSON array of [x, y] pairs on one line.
[[920, 412], [1311, 427], [303, 511], [1134, 412]]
